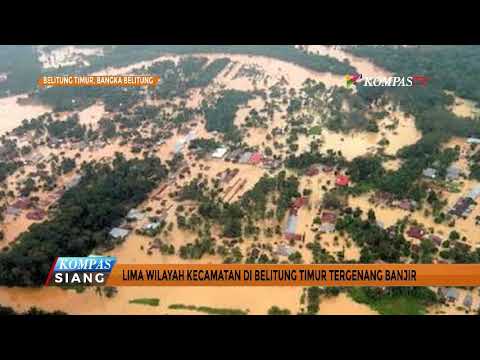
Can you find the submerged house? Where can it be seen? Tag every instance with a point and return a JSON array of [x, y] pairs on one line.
[[342, 181], [135, 214], [416, 232], [328, 217], [37, 214], [284, 250], [436, 240], [462, 207], [327, 228], [119, 233], [291, 228], [452, 173], [430, 173], [474, 193], [245, 158], [255, 159], [468, 301], [312, 171], [452, 295], [22, 203], [219, 153]]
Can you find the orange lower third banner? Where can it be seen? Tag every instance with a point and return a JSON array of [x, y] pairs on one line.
[[295, 275]]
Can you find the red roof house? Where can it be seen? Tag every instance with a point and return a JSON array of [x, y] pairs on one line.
[[328, 217], [416, 232], [298, 203], [312, 171], [22, 203], [342, 180], [256, 158], [36, 214]]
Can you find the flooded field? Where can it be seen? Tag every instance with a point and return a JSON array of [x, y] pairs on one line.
[[344, 305], [12, 113], [463, 107], [359, 144], [363, 66]]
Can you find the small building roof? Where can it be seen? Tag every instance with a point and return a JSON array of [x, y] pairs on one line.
[[22, 203], [245, 158], [327, 228], [284, 250], [416, 232], [329, 217], [474, 193], [37, 214], [473, 140], [468, 301], [151, 226], [135, 214], [10, 210], [291, 227], [453, 172], [256, 158], [452, 294], [219, 152], [436, 239], [342, 180], [430, 172], [118, 233]]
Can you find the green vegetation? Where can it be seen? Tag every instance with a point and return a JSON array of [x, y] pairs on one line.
[[220, 117], [307, 159], [275, 310], [4, 310], [395, 300], [254, 202], [208, 310], [203, 146], [454, 68], [146, 301], [375, 242]]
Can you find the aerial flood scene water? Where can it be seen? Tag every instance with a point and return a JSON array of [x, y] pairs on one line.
[[208, 168]]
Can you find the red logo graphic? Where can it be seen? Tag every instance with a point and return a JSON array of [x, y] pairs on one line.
[[420, 80]]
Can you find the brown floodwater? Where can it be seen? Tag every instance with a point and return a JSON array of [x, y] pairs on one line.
[[12, 113]]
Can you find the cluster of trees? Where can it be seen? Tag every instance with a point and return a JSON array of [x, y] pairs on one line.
[[307, 159], [238, 219], [77, 98], [5, 310], [220, 117], [450, 67], [191, 72], [203, 146], [8, 168], [375, 242], [406, 300], [83, 218], [66, 129], [255, 201]]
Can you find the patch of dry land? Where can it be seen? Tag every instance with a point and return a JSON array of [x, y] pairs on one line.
[[141, 249]]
